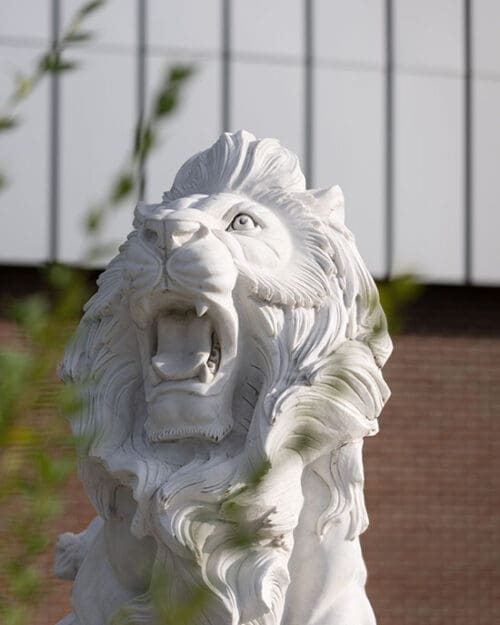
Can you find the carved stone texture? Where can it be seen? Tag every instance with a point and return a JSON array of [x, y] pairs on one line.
[[229, 366]]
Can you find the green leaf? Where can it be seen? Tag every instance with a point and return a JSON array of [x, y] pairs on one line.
[[46, 62], [167, 98], [396, 296], [179, 73], [59, 276], [24, 86], [46, 507], [259, 473], [77, 37], [34, 541], [90, 7], [122, 187], [165, 103], [14, 368], [52, 63], [7, 123], [31, 312], [14, 615], [69, 400], [51, 470], [93, 219], [144, 142], [26, 583], [64, 66], [183, 610]]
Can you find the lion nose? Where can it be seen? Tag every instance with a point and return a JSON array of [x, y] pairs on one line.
[[170, 234]]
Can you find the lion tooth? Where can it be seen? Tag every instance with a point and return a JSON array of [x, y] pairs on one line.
[[205, 375], [201, 309]]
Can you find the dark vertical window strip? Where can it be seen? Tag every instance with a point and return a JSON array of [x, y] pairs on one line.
[[226, 66], [141, 84], [54, 144], [308, 91], [389, 138], [468, 226]]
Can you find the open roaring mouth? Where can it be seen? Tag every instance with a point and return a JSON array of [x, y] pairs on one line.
[[187, 348], [191, 358], [190, 348]]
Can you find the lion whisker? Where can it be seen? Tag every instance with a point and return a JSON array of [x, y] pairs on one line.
[[248, 401], [253, 388]]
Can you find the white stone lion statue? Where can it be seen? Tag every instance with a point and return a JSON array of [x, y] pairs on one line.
[[230, 366]]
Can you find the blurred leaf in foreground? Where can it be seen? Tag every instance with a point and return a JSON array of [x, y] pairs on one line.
[[396, 296]]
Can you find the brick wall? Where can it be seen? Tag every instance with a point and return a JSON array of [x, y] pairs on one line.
[[432, 474], [433, 546]]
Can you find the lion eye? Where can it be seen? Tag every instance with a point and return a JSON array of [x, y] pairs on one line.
[[242, 222]]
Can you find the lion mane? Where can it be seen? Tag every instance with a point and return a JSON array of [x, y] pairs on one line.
[[322, 340]]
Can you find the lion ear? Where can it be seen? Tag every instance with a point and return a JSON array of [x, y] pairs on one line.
[[330, 202]]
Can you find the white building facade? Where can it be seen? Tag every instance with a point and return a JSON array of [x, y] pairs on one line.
[[398, 101]]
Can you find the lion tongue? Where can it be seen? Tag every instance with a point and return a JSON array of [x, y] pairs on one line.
[[184, 344]]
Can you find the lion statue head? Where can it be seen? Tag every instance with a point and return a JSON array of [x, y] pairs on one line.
[[234, 342]]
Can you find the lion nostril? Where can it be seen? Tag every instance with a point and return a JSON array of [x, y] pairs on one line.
[[181, 238], [152, 232], [150, 236], [169, 234], [178, 233]]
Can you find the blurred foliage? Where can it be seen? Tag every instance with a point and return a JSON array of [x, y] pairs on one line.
[[49, 62], [396, 295], [36, 450], [182, 612]]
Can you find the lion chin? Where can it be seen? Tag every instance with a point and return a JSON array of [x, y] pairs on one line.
[[230, 367]]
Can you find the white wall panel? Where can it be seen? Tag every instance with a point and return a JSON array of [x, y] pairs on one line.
[[428, 198], [486, 36], [486, 200], [349, 149], [113, 23], [187, 25], [268, 27], [97, 121], [98, 113], [268, 101], [429, 34], [25, 18], [349, 31], [194, 127], [24, 157]]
